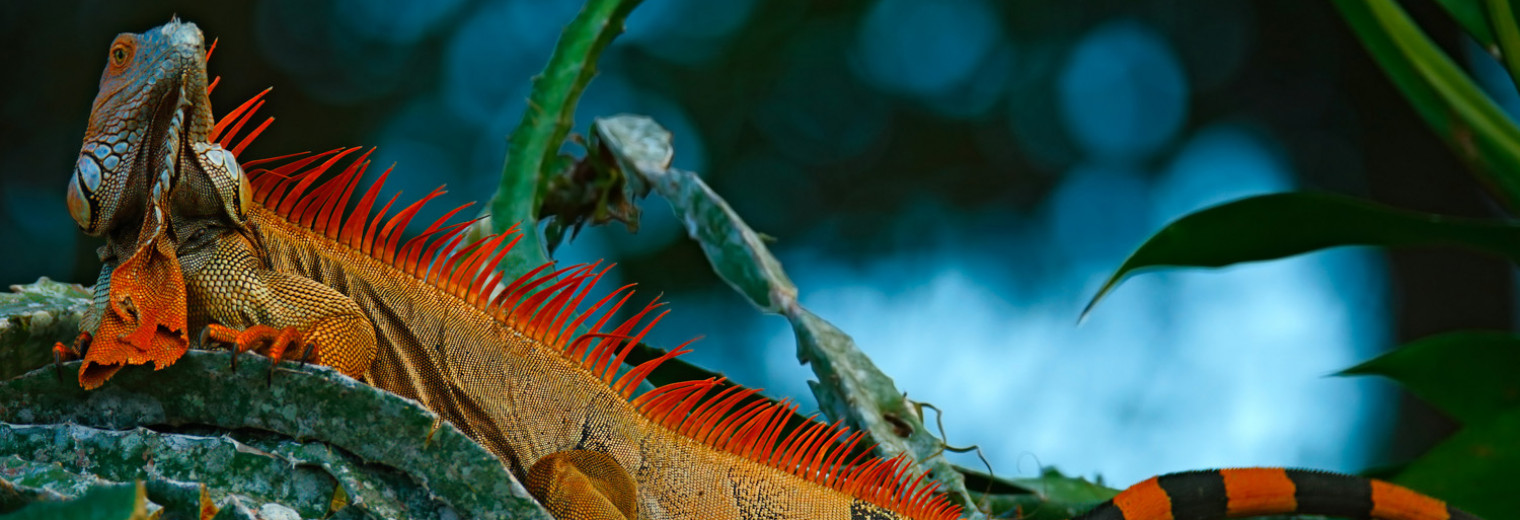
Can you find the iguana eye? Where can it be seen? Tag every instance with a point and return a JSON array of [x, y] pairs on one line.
[[121, 52]]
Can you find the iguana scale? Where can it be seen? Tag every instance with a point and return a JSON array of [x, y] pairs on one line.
[[279, 255]]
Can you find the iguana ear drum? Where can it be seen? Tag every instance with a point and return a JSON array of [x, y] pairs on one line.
[[245, 194]]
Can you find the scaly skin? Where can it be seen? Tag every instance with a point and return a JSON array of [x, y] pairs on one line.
[[152, 93], [504, 365], [514, 393], [149, 133]]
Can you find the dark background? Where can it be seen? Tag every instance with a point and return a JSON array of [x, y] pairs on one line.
[[906, 157]]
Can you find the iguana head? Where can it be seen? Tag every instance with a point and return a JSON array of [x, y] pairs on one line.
[[152, 107]]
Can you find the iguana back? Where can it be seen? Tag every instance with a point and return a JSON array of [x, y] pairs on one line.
[[503, 361]]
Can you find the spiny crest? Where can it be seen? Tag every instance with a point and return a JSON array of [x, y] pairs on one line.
[[542, 305], [224, 136]]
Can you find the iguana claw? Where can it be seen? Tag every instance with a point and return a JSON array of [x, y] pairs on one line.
[[63, 352], [306, 353], [265, 339]]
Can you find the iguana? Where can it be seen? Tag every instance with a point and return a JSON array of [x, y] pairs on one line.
[[148, 126], [278, 254]]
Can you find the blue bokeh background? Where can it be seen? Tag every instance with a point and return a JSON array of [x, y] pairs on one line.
[[948, 182]]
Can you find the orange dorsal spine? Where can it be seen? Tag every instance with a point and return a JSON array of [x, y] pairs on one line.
[[543, 305]]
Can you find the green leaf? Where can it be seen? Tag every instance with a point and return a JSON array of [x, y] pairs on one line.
[[105, 502], [1474, 469], [1474, 19], [1502, 16], [1052, 496], [1279, 225], [1474, 376], [1470, 123]]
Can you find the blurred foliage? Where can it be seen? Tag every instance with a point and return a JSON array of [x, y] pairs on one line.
[[1470, 375], [1470, 122]]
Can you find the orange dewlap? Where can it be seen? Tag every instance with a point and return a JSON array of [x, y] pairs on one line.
[[1145, 500], [145, 319], [1391, 501], [1258, 491]]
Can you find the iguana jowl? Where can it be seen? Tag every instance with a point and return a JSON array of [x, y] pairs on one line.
[[283, 256]]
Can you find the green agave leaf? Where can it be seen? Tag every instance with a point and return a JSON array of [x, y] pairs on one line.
[[301, 401], [1441, 92], [1474, 469], [1471, 375], [103, 502], [1274, 226], [32, 318]]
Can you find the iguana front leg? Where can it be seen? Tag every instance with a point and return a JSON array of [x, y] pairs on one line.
[[230, 289], [89, 322]]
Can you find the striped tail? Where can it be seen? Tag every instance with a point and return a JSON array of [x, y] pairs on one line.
[[1247, 492]]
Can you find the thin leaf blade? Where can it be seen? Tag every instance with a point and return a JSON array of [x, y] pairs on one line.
[[1471, 16], [1279, 225], [1468, 374]]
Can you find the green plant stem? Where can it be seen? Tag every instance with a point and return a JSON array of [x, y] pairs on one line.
[[547, 121]]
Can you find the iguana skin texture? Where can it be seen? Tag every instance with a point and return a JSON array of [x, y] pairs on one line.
[[429, 320], [506, 381], [150, 131], [148, 125]]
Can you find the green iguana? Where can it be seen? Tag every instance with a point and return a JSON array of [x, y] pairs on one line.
[[278, 257]]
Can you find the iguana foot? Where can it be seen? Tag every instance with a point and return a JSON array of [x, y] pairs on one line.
[[270, 341], [63, 352]]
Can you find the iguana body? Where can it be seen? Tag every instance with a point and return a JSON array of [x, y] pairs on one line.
[[504, 361], [151, 132]]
